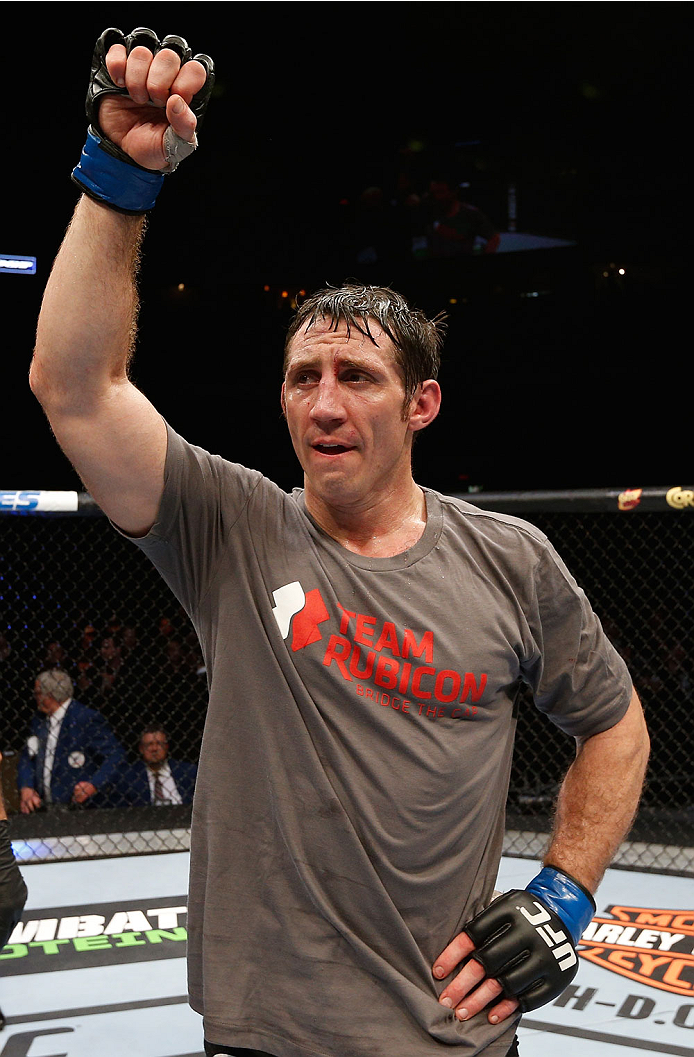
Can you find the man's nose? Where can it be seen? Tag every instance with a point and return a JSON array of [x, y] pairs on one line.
[[327, 404]]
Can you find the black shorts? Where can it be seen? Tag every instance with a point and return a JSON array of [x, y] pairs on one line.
[[211, 1050]]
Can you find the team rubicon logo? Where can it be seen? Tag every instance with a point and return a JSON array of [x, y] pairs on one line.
[[653, 946], [396, 667]]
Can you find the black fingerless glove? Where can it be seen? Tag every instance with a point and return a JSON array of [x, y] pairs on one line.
[[527, 939], [105, 172]]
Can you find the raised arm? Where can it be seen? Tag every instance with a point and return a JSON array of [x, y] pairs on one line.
[[142, 125], [109, 431]]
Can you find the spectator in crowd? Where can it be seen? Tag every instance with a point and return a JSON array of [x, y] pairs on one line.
[[115, 684], [176, 686], [454, 225], [114, 626], [101, 686], [156, 778], [131, 648], [197, 661], [87, 642], [108, 664], [85, 653], [56, 656], [71, 755]]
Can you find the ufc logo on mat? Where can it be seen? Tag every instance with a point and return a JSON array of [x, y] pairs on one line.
[[565, 954]]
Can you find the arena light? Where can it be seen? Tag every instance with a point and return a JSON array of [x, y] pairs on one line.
[[16, 265]]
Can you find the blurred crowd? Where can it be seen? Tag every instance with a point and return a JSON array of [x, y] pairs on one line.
[[110, 700], [417, 218]]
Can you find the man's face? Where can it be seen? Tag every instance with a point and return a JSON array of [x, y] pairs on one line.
[[154, 748], [108, 649], [44, 702], [343, 399]]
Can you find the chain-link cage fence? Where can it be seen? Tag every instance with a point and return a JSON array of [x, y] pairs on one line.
[[633, 554], [77, 597]]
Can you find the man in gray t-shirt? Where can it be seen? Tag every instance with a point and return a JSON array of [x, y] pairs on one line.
[[365, 640]]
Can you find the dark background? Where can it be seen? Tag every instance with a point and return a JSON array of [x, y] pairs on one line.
[[585, 383]]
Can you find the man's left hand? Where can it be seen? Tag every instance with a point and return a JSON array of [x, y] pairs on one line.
[[522, 946], [82, 792]]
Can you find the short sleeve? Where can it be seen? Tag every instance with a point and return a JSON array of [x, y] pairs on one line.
[[204, 496], [577, 677]]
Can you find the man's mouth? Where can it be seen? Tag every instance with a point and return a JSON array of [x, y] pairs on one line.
[[331, 449]]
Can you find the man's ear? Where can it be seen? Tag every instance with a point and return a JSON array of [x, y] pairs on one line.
[[283, 401], [425, 405]]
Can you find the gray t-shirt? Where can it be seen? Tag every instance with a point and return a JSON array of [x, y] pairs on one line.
[[349, 808]]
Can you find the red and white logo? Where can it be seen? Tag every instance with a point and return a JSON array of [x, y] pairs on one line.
[[301, 613], [389, 665]]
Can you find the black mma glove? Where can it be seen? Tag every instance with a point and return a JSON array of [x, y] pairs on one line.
[[105, 172], [527, 939]]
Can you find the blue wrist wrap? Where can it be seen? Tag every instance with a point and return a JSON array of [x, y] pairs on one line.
[[127, 188], [566, 897]]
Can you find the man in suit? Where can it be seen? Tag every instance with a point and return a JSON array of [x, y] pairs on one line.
[[71, 755], [157, 778]]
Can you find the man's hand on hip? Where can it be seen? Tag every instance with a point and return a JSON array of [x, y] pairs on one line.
[[521, 947], [471, 989]]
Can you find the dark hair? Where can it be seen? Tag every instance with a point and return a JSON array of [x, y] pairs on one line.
[[154, 728], [417, 340]]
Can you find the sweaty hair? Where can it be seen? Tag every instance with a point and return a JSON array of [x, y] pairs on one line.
[[417, 340], [57, 683]]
